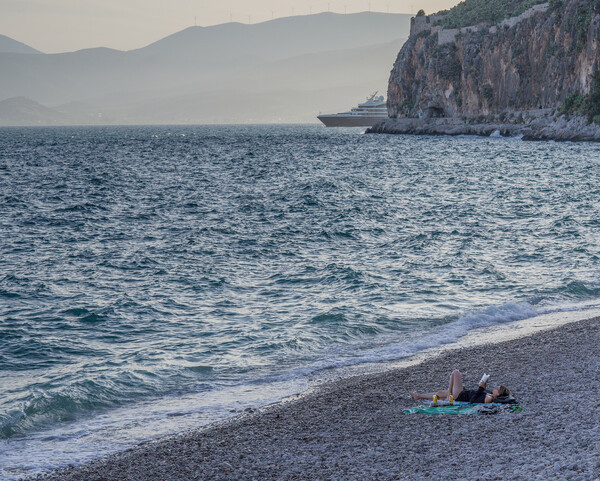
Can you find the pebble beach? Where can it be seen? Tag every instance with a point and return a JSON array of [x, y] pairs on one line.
[[355, 429]]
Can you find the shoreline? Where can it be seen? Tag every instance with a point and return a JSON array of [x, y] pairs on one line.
[[538, 126], [353, 427]]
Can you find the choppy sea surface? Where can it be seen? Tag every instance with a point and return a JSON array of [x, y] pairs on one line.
[[154, 279]]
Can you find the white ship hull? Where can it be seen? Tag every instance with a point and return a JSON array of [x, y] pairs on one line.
[[349, 120]]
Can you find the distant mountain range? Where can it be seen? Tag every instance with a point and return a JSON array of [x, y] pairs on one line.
[[284, 70]]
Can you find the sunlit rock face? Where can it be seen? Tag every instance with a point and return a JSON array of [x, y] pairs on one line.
[[532, 61]]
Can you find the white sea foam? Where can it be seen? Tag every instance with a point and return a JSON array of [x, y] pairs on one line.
[[119, 429], [504, 316]]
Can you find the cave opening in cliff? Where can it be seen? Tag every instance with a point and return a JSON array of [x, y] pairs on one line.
[[434, 112]]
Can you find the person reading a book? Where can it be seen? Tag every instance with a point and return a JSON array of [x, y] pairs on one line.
[[479, 395]]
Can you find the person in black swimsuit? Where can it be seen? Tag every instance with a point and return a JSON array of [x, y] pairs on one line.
[[479, 395]]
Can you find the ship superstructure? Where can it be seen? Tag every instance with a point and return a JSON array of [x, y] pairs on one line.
[[366, 114]]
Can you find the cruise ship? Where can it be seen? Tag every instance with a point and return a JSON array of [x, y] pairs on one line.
[[366, 114]]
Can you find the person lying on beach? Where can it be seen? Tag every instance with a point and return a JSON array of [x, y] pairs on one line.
[[479, 395]]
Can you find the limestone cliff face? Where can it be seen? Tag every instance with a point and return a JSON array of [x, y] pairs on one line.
[[531, 62]]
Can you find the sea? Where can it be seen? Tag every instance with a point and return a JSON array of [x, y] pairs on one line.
[[156, 279]]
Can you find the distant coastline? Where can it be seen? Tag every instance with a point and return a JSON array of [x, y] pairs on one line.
[[277, 72]]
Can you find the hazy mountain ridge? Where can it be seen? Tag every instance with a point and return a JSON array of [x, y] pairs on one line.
[[317, 52], [9, 45], [280, 38], [24, 111], [283, 91]]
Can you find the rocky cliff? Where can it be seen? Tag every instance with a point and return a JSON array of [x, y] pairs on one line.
[[544, 59]]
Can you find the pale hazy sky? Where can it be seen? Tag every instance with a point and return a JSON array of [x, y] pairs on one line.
[[66, 25]]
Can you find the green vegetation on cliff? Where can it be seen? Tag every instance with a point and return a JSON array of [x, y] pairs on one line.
[[593, 100], [579, 22], [474, 12], [579, 104]]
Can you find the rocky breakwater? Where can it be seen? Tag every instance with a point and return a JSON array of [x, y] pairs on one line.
[[520, 70]]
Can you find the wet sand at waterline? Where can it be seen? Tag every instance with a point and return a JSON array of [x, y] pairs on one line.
[[354, 428]]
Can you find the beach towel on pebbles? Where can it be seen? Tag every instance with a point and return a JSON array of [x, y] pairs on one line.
[[464, 409]]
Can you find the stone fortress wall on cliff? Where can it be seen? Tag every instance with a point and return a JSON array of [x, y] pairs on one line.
[[430, 23]]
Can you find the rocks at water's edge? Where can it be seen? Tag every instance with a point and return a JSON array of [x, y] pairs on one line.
[[540, 127]]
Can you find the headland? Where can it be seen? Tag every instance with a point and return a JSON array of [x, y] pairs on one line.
[[526, 69]]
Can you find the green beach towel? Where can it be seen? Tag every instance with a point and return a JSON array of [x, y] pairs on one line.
[[463, 408]]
